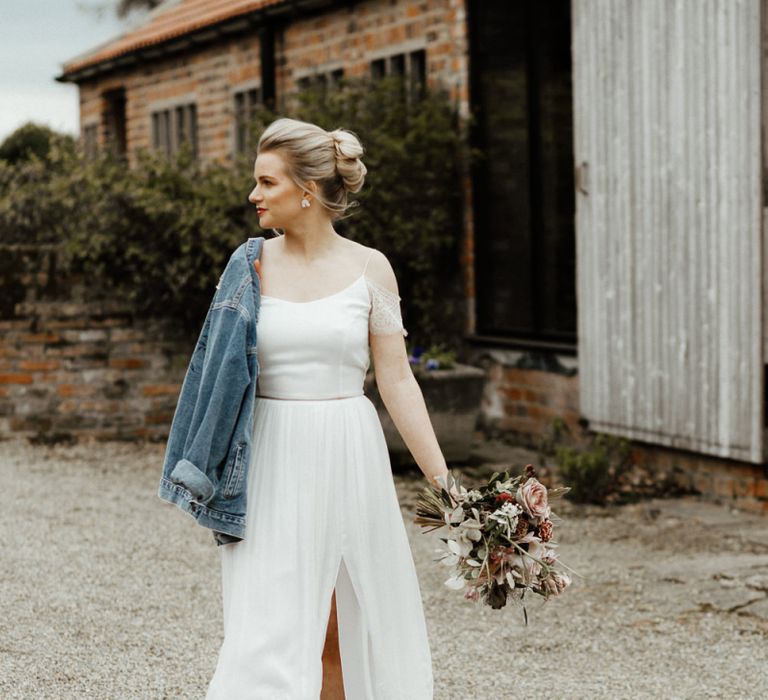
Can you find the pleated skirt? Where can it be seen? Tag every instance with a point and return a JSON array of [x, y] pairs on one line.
[[322, 512]]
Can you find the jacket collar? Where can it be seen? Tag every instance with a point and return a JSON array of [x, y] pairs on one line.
[[252, 253]]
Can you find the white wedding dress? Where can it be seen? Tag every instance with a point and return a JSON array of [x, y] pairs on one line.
[[322, 512]]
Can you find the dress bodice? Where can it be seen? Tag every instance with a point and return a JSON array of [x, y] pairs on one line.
[[319, 349]]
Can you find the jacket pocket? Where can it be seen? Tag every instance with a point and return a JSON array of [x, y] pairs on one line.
[[233, 475]]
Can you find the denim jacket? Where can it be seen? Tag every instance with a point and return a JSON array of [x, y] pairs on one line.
[[209, 445]]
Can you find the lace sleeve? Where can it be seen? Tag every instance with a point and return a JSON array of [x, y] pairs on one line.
[[385, 314]]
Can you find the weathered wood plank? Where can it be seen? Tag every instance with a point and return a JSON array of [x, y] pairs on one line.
[[669, 233]]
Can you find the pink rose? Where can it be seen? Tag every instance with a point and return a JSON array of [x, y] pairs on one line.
[[532, 496]]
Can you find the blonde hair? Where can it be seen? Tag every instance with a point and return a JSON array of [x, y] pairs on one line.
[[330, 158]]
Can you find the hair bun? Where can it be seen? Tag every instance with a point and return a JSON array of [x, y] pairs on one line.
[[348, 163]]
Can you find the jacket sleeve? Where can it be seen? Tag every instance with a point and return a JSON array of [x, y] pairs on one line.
[[209, 403]]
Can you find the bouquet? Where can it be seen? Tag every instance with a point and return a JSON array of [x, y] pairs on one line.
[[500, 537]]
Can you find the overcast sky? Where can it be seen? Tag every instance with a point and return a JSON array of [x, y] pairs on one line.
[[36, 37]]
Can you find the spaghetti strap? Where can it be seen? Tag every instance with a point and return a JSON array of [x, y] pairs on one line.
[[367, 261]]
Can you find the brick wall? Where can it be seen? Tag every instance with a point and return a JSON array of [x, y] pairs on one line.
[[740, 484], [73, 366], [208, 78], [353, 36], [524, 392]]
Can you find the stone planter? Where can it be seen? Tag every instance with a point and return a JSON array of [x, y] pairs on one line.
[[453, 400]]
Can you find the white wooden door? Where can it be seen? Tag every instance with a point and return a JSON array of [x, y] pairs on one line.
[[668, 221]]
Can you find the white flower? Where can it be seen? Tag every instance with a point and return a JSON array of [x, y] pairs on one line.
[[537, 549], [456, 582], [473, 496], [443, 482], [454, 516], [524, 568], [455, 554], [461, 541], [507, 516], [470, 528]]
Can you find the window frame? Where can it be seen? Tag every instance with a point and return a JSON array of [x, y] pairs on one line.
[[407, 61], [245, 97], [326, 77], [173, 123]]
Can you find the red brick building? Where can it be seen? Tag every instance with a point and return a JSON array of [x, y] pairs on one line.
[[615, 169], [195, 66]]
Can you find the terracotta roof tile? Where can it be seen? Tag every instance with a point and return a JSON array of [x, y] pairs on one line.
[[166, 22]]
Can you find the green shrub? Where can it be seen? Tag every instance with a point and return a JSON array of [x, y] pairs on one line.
[[595, 466], [30, 140], [594, 473], [157, 235], [176, 226]]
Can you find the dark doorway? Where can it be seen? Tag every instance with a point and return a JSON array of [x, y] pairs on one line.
[[114, 121], [521, 94]]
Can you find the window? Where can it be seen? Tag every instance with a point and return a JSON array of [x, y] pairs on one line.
[[321, 80], [520, 87], [417, 73], [90, 142], [411, 66], [113, 119], [246, 102], [174, 126], [378, 68]]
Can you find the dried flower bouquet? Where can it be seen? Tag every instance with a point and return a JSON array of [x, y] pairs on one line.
[[499, 537]]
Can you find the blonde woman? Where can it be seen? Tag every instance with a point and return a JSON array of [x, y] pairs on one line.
[[321, 597]]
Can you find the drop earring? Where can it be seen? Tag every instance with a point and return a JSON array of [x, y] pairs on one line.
[[304, 203]]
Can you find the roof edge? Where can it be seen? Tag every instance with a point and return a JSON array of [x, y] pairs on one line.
[[75, 71]]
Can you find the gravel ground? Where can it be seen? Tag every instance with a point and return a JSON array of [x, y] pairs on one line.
[[108, 592]]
